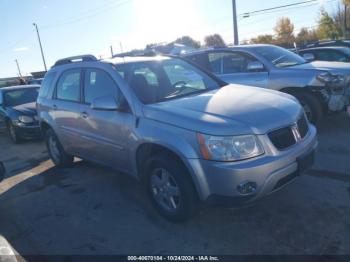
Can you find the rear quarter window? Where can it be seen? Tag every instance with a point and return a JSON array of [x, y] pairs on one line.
[[47, 85]]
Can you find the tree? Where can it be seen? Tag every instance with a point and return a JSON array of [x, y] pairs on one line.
[[327, 28], [262, 39], [188, 41], [284, 32], [305, 35], [214, 40], [150, 46]]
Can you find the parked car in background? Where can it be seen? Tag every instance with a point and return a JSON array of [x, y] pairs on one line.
[[186, 134], [35, 81], [329, 53], [18, 112], [324, 43], [320, 87]]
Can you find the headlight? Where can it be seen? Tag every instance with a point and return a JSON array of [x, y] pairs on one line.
[[229, 148], [26, 119], [328, 77]]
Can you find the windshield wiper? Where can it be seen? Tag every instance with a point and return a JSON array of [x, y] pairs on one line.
[[187, 94]]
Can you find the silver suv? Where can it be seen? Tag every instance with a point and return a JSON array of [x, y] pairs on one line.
[[320, 87], [188, 136]]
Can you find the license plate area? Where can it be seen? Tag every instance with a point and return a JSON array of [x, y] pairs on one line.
[[305, 161]]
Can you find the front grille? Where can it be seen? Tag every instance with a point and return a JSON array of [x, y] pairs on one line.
[[303, 126], [285, 137], [282, 138]]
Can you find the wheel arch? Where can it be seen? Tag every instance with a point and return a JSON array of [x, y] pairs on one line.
[[310, 90], [44, 126], [146, 150]]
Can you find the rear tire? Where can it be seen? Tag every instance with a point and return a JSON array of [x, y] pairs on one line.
[[312, 106], [2, 171], [57, 154], [174, 198]]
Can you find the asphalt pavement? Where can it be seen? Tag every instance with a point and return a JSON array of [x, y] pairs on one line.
[[89, 209]]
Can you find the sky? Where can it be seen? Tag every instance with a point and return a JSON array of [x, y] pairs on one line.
[[76, 27]]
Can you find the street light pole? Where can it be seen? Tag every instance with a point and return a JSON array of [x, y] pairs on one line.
[[41, 48], [19, 70], [112, 53], [235, 26]]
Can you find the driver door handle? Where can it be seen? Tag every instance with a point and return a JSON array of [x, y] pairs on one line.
[[84, 115]]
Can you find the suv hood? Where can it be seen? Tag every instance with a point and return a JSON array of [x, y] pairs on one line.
[[334, 67], [231, 110], [26, 109]]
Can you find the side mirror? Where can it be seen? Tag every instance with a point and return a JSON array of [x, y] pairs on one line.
[[106, 103], [2, 171], [255, 66], [308, 57]]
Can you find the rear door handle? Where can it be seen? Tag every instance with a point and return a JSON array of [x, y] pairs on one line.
[[84, 115]]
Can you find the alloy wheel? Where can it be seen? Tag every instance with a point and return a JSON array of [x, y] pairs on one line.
[[165, 189]]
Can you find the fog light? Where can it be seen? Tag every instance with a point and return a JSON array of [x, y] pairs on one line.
[[247, 188]]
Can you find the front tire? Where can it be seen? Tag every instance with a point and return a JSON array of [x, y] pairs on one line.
[[170, 188], [57, 154], [312, 106], [13, 133]]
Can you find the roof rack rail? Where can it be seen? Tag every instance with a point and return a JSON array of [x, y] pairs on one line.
[[72, 59]]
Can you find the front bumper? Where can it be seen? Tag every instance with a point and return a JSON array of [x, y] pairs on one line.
[[270, 172], [28, 131]]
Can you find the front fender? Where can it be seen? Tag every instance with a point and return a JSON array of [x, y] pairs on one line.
[[180, 141]]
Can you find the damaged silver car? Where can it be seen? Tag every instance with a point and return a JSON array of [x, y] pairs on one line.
[[321, 87]]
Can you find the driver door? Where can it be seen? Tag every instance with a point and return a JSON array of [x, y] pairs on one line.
[[232, 67], [106, 132]]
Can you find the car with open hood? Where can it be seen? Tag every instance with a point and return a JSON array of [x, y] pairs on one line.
[[18, 112], [321, 87], [185, 134]]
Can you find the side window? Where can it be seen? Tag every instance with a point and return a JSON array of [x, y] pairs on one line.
[[330, 55], [216, 62], [46, 85], [201, 60], [337, 56], [68, 86], [98, 83], [322, 55], [229, 62], [149, 75]]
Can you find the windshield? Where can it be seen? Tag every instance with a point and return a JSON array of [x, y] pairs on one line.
[[279, 56], [20, 96], [161, 80]]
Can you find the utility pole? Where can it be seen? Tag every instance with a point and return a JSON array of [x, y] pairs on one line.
[[41, 48], [112, 54], [121, 47], [235, 26], [19, 70], [345, 22]]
